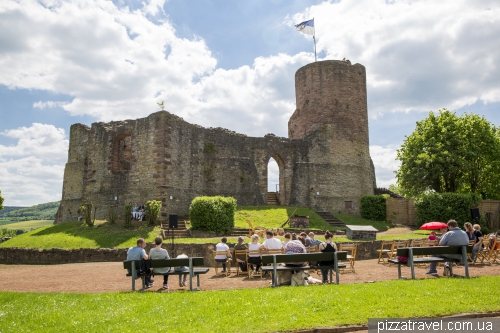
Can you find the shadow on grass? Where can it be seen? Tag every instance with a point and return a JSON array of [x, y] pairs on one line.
[[105, 235]]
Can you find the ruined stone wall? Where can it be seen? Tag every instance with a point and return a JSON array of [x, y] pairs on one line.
[[325, 164]]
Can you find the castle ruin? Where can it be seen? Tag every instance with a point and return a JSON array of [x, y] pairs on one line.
[[324, 163]]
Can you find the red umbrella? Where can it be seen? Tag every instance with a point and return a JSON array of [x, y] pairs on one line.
[[433, 225]]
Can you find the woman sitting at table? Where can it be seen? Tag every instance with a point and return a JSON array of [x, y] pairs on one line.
[[254, 259]]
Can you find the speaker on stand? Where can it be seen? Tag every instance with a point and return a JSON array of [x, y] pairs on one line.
[[474, 214], [172, 224]]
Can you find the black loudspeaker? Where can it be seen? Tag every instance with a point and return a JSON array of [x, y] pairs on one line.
[[474, 213], [172, 221]]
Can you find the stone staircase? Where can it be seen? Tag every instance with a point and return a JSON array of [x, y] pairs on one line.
[[180, 232], [330, 219], [272, 199], [239, 232]]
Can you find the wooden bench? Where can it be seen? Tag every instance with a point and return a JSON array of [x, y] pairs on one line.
[[412, 252], [190, 263], [276, 259]]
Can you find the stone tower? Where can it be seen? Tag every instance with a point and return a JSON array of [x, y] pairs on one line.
[[331, 92], [331, 110]]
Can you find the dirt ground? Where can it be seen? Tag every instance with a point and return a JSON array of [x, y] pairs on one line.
[[110, 277]]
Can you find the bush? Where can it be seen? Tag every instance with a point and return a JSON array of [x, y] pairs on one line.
[[86, 210], [153, 208], [214, 214], [373, 207], [127, 210], [112, 214], [446, 206]]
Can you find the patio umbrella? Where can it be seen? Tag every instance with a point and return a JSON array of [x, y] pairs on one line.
[[433, 225]]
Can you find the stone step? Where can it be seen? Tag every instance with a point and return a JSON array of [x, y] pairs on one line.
[[272, 199], [331, 219]]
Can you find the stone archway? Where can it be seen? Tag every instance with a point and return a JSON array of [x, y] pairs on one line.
[[279, 191]]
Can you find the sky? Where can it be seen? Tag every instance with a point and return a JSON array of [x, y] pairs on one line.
[[228, 64]]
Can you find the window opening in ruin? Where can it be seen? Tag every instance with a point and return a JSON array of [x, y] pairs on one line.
[[273, 176], [122, 152]]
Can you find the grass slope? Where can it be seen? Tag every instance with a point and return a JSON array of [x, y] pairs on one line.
[[75, 235], [262, 310], [275, 216]]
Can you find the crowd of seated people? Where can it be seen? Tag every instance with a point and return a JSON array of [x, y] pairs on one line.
[[292, 244]]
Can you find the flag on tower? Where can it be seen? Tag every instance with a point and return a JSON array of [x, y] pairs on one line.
[[306, 27]]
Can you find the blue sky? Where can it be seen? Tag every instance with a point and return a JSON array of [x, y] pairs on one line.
[[228, 64]]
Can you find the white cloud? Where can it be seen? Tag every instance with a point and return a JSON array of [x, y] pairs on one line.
[[48, 104], [384, 160], [419, 55], [31, 172]]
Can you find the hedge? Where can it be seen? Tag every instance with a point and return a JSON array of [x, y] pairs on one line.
[[214, 214], [373, 207], [446, 206]]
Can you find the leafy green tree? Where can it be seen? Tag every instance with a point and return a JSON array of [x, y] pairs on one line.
[[153, 208], [1, 200], [448, 153]]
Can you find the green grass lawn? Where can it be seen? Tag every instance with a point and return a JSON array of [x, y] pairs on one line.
[[275, 216], [9, 224], [246, 310]]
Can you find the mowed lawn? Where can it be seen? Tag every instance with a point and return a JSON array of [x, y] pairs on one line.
[[246, 310]]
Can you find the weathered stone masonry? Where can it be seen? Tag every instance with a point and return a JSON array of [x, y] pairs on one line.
[[324, 164]]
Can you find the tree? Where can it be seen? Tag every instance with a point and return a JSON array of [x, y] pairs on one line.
[[1, 200], [448, 153]]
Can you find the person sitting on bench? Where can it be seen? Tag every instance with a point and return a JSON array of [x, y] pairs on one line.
[[254, 259], [159, 253], [294, 247], [327, 246], [138, 253], [454, 237]]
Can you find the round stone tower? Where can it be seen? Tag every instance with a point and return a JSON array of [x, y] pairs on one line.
[[330, 92]]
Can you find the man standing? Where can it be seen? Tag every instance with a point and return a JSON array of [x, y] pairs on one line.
[[454, 237], [138, 253], [271, 243]]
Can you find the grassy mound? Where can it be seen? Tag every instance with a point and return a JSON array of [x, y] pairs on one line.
[[275, 216]]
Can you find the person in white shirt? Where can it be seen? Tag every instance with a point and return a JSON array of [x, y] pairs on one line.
[[271, 243], [222, 246], [254, 259]]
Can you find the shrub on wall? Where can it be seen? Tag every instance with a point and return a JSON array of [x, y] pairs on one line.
[[153, 208], [214, 214], [373, 207], [443, 207], [127, 210]]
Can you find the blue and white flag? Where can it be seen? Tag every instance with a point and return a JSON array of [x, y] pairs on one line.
[[306, 27]]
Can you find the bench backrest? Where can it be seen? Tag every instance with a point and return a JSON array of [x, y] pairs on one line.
[[303, 257], [178, 262], [424, 251], [127, 264]]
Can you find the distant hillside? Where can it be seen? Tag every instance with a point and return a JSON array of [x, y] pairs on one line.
[[46, 211], [8, 209]]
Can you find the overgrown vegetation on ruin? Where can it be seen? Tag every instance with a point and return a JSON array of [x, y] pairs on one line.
[[337, 305]]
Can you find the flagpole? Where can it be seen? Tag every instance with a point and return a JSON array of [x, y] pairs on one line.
[[315, 59], [314, 38]]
